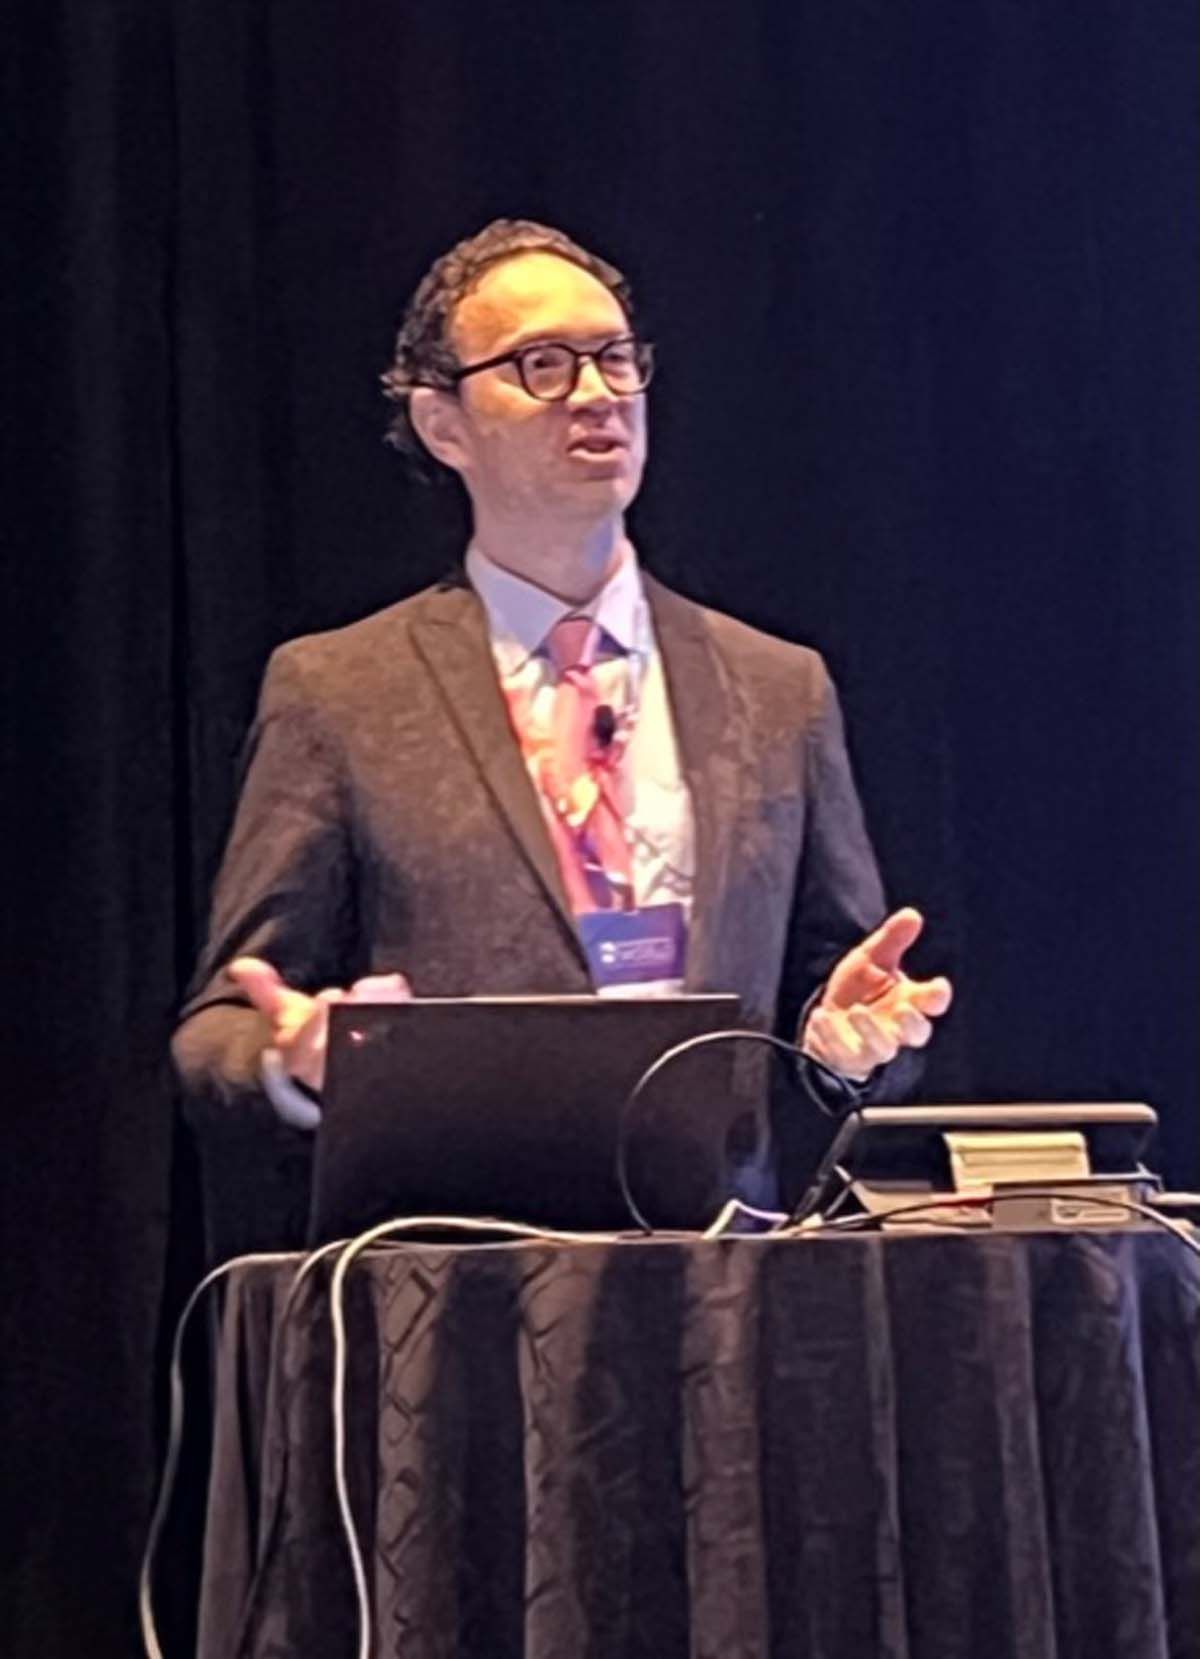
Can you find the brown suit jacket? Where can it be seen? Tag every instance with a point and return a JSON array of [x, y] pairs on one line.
[[387, 822]]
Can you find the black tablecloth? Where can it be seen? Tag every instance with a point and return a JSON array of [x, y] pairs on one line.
[[909, 1447]]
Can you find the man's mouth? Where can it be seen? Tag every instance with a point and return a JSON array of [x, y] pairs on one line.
[[597, 443]]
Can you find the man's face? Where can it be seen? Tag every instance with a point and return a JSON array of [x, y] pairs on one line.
[[579, 460]]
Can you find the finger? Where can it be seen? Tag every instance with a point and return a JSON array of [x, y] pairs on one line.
[[829, 1039], [912, 1028], [305, 1060], [381, 988], [930, 996], [262, 984], [816, 1039], [879, 1043], [304, 1050], [885, 947]]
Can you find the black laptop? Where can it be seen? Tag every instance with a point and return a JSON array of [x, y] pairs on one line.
[[509, 1108]]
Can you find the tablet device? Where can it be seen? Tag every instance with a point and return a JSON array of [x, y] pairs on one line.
[[888, 1157]]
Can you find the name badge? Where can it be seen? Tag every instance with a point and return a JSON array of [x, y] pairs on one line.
[[634, 947]]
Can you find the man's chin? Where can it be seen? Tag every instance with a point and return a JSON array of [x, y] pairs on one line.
[[594, 502], [613, 483]]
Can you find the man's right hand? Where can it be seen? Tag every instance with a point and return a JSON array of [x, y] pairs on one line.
[[299, 1022]]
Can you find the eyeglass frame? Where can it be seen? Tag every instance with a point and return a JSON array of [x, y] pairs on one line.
[[518, 352]]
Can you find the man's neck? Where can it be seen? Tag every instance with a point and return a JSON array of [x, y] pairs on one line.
[[573, 567]]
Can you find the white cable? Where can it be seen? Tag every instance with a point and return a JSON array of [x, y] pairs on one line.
[[351, 1249], [177, 1414], [175, 1441], [349, 1254], [166, 1491], [310, 1261], [733, 1207]]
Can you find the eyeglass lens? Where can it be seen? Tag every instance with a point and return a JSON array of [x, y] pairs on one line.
[[550, 371]]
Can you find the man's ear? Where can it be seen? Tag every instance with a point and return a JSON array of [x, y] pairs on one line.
[[437, 420]]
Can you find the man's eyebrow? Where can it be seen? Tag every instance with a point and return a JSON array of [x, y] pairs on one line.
[[567, 337]]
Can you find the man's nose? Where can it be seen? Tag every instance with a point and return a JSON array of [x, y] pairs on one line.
[[590, 385]]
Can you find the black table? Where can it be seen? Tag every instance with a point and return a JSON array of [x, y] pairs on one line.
[[911, 1447]]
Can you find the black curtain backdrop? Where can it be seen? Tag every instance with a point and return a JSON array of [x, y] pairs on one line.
[[922, 278]]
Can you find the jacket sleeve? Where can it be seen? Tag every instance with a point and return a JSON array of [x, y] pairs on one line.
[[286, 891], [838, 894], [838, 899]]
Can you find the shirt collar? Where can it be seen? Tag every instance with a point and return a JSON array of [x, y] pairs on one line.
[[520, 614]]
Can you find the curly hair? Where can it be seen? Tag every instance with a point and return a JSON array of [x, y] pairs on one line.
[[424, 356]]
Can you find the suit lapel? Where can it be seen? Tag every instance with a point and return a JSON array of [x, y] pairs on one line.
[[452, 638], [707, 732]]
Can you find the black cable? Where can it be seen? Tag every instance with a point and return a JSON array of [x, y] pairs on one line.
[[877, 1218], [633, 1098]]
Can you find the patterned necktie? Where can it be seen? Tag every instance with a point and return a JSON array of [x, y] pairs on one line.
[[581, 776]]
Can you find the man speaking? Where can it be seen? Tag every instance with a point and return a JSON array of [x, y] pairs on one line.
[[459, 794]]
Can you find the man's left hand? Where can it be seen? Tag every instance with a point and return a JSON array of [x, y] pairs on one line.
[[871, 1009]]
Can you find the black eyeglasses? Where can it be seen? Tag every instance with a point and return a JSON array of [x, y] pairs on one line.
[[550, 371]]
